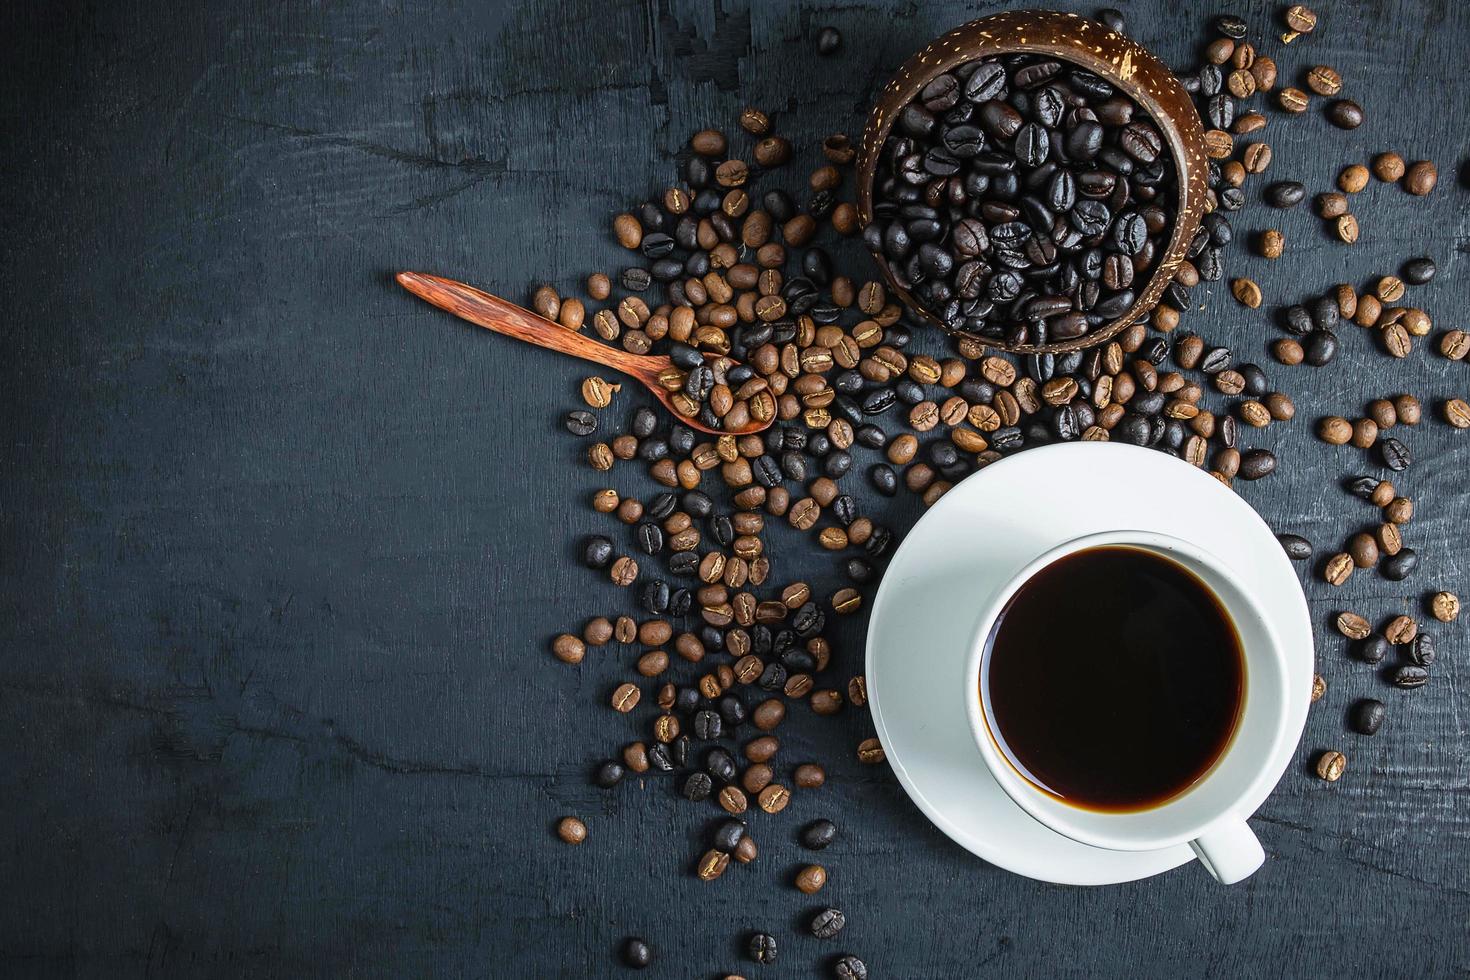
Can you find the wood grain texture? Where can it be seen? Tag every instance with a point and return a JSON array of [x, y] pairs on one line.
[[281, 549]]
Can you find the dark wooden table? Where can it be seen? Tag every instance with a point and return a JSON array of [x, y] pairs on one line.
[[281, 549]]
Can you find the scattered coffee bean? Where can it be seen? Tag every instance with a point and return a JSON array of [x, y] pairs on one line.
[[1353, 179], [849, 967], [637, 953], [1353, 626], [1345, 114], [810, 879], [762, 948], [1330, 766], [1297, 548], [1319, 687], [1367, 715], [1246, 293], [828, 923], [1418, 272], [571, 830], [1401, 630], [1388, 167], [1409, 676], [1338, 569], [1420, 652], [818, 834], [1420, 178], [1373, 649], [608, 774], [1398, 567], [1395, 454], [1364, 550], [1445, 606]]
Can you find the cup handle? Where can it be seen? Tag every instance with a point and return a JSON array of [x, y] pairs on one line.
[[1229, 850]]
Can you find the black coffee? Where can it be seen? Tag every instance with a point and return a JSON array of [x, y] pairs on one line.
[[1114, 679]]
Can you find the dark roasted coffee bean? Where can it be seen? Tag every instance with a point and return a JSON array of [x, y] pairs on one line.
[[762, 948], [1367, 716], [1297, 548], [1395, 454], [1398, 567], [884, 480], [707, 725], [637, 953], [1256, 463], [818, 834], [581, 423], [608, 774], [829, 41], [1420, 650], [697, 787], [1417, 272], [1215, 360], [1373, 649], [828, 923], [597, 552], [1286, 194], [1319, 347], [1409, 676], [728, 835]]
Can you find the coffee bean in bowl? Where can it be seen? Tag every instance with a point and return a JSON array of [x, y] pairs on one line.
[[1028, 193]]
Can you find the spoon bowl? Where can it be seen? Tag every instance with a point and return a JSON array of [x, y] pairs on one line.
[[504, 317]]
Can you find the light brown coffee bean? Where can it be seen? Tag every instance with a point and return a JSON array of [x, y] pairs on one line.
[[1324, 80], [1388, 166], [571, 830], [1334, 430], [1364, 550], [774, 798], [1246, 292], [1353, 626], [1330, 766], [625, 697], [568, 649], [1408, 408], [712, 864], [1420, 177], [870, 752], [1365, 433], [1293, 100], [1338, 569], [1456, 412], [1353, 178], [1287, 351], [1272, 243], [810, 879], [1445, 606], [1400, 630]]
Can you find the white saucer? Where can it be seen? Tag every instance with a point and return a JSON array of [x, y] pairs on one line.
[[965, 548]]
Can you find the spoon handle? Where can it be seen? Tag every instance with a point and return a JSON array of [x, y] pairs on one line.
[[494, 313]]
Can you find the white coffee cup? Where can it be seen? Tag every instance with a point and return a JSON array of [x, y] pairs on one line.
[[1211, 814]]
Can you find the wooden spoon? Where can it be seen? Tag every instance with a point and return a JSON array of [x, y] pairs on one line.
[[494, 313]]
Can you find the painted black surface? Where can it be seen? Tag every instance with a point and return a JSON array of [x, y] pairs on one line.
[[281, 549]]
